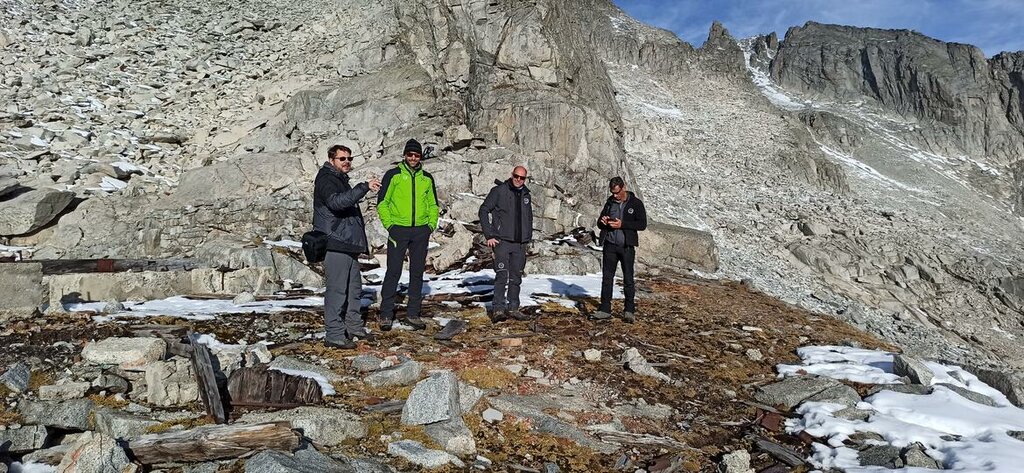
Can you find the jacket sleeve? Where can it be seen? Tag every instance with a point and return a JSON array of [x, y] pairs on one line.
[[433, 206], [342, 200], [384, 201], [490, 202], [639, 220], [604, 213]]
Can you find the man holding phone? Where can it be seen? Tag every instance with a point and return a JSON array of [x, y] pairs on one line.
[[621, 218]]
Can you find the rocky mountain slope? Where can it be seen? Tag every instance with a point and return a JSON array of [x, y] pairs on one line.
[[878, 184]]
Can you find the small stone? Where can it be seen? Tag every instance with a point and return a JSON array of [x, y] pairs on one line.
[[515, 369], [535, 374], [736, 462], [469, 395], [886, 456], [754, 354], [113, 307], [592, 355], [791, 391], [493, 415], [551, 468], [367, 363], [244, 298], [416, 453], [915, 456]]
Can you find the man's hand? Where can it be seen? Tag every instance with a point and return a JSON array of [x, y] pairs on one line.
[[604, 220], [492, 242], [374, 184], [615, 223]]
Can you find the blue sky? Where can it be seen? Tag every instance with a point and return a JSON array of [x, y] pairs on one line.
[[992, 25]]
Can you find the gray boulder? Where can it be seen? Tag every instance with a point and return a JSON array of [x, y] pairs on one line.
[[23, 439], [664, 244], [323, 425], [171, 383], [31, 210], [417, 454], [841, 394], [306, 460], [16, 377], [968, 394], [122, 425], [434, 399], [914, 456], [64, 391], [736, 462], [70, 415], [94, 452], [791, 391], [913, 368], [22, 293], [886, 456], [129, 353]]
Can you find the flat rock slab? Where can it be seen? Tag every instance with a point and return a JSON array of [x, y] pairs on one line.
[[31, 210], [122, 425], [901, 388], [886, 456], [367, 363], [323, 425], [130, 353], [308, 460], [71, 415], [64, 392], [968, 394], [402, 374], [790, 392], [94, 452], [23, 439], [532, 407], [416, 453], [16, 377], [841, 394]]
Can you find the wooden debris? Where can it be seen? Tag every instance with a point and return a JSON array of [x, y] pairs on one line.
[[208, 389], [259, 386], [511, 335], [629, 438], [781, 453], [451, 329], [387, 407], [213, 442]]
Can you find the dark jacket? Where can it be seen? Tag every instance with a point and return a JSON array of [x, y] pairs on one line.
[[336, 210], [634, 219], [507, 213]]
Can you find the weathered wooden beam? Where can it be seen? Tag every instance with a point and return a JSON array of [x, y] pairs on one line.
[[208, 389], [106, 265], [213, 442]]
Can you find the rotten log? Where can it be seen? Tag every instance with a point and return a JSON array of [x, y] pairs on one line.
[[213, 442], [629, 438], [780, 452], [259, 386], [208, 389]]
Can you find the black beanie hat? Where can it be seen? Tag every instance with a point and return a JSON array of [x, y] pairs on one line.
[[414, 146]]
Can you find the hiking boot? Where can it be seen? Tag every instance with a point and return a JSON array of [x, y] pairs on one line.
[[600, 315], [386, 321], [516, 314], [363, 335], [628, 317], [341, 344], [416, 322], [497, 316]]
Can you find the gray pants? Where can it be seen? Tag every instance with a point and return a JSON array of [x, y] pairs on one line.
[[342, 304], [509, 262]]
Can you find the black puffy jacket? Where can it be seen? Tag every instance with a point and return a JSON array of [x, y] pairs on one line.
[[336, 210]]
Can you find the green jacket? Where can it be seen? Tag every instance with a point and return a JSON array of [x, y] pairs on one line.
[[407, 198]]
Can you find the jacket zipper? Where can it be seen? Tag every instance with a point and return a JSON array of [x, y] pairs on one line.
[[413, 176]]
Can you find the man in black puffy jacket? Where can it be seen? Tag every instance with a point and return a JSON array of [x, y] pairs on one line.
[[506, 217], [336, 213], [621, 218]]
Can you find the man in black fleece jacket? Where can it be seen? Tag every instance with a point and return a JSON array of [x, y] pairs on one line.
[[336, 213], [622, 217], [506, 217]]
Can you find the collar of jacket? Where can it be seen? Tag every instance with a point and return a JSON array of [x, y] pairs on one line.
[[405, 167], [508, 182], [334, 171]]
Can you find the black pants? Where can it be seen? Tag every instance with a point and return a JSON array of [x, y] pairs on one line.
[[402, 239], [509, 262], [610, 259]]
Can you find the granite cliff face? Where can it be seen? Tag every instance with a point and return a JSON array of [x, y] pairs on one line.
[[872, 175]]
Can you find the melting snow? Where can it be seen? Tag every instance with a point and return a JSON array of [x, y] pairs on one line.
[[325, 386], [976, 436]]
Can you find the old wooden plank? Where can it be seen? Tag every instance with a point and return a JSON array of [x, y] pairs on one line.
[[213, 442], [208, 390], [260, 386]]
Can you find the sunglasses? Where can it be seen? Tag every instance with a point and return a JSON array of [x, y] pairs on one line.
[[343, 158], [413, 155], [517, 176]]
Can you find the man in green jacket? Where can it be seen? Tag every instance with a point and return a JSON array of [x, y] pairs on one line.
[[407, 205]]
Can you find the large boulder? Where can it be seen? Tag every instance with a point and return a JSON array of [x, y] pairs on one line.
[[664, 244], [23, 439], [171, 383], [31, 210], [22, 292], [128, 352], [95, 452], [323, 425]]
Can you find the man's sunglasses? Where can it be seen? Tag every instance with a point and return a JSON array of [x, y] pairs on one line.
[[517, 176], [413, 155], [343, 158]]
